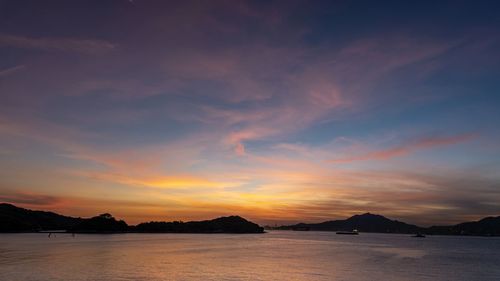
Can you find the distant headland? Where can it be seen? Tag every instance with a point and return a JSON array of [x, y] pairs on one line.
[[367, 222], [14, 219]]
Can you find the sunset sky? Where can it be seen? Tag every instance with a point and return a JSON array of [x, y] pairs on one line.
[[279, 112]]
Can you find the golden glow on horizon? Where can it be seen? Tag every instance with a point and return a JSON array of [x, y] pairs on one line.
[[186, 182], [288, 187]]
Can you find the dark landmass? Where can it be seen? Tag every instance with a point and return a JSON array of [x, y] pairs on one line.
[[232, 224], [363, 223], [15, 219], [489, 226], [104, 223]]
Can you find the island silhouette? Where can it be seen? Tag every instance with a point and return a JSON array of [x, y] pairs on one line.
[[489, 226], [15, 219]]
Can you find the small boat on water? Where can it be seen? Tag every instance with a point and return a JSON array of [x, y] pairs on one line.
[[354, 232], [419, 235]]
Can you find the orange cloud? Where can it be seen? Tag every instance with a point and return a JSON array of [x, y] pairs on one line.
[[177, 182], [292, 184]]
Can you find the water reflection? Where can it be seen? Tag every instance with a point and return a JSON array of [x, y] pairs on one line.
[[278, 255]]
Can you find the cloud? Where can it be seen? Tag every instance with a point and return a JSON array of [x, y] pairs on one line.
[[11, 70], [406, 149], [161, 120], [133, 210], [273, 188], [428, 198], [266, 91], [31, 199], [85, 46], [240, 149], [139, 167], [158, 181]]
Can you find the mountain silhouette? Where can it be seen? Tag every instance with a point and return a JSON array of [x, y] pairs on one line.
[[232, 224], [364, 223], [15, 219], [367, 222], [100, 224], [489, 226]]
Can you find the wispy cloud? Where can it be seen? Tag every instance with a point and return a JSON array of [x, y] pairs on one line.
[[231, 107], [284, 90], [406, 148], [85, 46], [11, 70], [267, 189], [30, 199]]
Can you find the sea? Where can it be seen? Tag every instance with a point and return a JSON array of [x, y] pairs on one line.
[[275, 255]]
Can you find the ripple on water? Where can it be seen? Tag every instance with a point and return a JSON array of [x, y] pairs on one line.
[[273, 256]]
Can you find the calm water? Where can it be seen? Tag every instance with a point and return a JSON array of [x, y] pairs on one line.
[[278, 255]]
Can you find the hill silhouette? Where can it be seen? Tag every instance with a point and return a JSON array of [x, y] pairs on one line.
[[364, 223], [489, 226], [104, 223], [367, 222], [15, 219], [232, 224]]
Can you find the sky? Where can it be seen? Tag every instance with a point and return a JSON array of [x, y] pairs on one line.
[[278, 111]]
